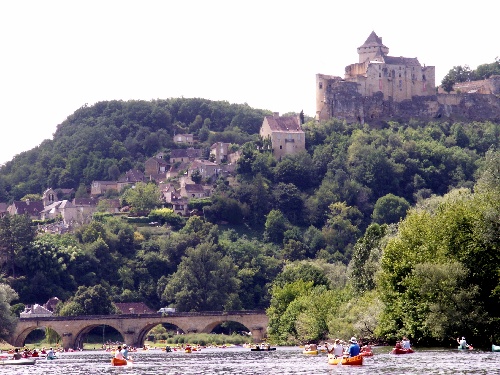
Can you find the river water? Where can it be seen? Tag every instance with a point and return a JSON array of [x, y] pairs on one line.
[[285, 360]]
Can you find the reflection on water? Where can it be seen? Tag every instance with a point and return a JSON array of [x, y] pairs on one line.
[[282, 361]]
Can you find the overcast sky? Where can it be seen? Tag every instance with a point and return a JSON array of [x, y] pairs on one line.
[[58, 55]]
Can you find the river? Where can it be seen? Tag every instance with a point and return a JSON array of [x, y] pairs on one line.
[[285, 360]]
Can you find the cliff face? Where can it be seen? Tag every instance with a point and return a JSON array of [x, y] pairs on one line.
[[352, 107]]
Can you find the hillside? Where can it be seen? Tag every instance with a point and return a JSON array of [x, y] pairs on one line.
[[311, 228], [112, 137]]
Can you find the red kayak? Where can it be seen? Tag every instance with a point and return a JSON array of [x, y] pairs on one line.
[[401, 351], [366, 354]]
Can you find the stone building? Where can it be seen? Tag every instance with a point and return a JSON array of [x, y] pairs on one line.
[[284, 133], [396, 78], [380, 88]]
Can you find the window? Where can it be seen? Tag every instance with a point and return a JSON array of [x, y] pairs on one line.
[[320, 85]]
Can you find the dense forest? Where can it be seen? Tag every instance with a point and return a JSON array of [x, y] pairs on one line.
[[376, 232]]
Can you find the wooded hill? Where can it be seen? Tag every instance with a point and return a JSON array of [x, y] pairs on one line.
[[304, 236]]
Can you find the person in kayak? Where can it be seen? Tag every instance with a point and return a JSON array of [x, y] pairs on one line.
[[354, 347], [119, 354], [405, 343], [462, 344], [125, 352]]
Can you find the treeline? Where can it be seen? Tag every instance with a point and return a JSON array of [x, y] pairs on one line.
[[465, 74]]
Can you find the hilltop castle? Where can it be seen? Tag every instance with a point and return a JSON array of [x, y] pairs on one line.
[[382, 87]]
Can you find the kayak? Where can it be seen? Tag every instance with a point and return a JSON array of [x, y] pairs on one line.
[[401, 351], [311, 352], [469, 347], [17, 362], [353, 361], [120, 362], [366, 354], [495, 348], [262, 350]]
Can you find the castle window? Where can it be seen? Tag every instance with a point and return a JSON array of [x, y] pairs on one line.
[[423, 77], [399, 75], [379, 75], [320, 85]]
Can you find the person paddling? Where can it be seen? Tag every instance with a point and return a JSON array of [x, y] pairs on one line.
[[462, 344]]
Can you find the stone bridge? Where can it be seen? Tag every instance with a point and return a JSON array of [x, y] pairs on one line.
[[134, 327]]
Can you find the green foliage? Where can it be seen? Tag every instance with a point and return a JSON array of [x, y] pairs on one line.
[[390, 209], [199, 203], [88, 301], [365, 262], [143, 197], [16, 233], [275, 227], [442, 268], [165, 216], [305, 271], [8, 320], [204, 280]]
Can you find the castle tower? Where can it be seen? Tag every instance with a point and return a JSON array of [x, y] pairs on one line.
[[372, 49]]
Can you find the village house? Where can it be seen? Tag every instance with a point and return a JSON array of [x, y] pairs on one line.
[[131, 177], [155, 168], [184, 155], [285, 134], [35, 311], [50, 195], [78, 211], [219, 152], [180, 206], [206, 168], [184, 138], [168, 192], [31, 208], [101, 187], [191, 191], [177, 169]]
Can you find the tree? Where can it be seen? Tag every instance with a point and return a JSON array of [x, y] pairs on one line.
[[389, 209], [365, 260], [305, 271], [196, 176], [275, 227], [93, 300], [16, 233], [143, 197], [7, 319], [205, 280]]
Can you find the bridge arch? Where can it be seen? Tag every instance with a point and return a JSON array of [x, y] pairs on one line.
[[19, 338], [80, 336]]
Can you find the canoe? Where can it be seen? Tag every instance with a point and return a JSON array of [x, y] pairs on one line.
[[366, 354], [401, 351], [187, 350], [119, 362], [310, 352], [353, 361], [495, 348], [262, 350], [17, 362], [469, 347]]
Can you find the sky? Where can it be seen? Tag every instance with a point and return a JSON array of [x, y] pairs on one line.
[[56, 56]]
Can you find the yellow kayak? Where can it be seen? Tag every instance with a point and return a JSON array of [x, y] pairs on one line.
[[311, 352]]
